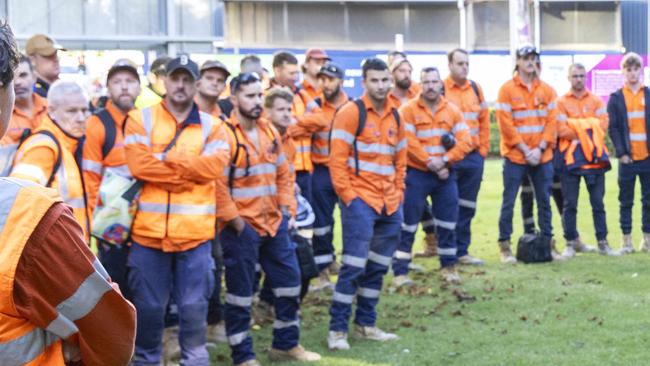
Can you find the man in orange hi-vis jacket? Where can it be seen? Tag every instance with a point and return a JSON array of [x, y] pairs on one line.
[[526, 115], [368, 166]]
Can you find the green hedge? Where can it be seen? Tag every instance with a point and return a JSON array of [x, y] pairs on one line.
[[494, 138]]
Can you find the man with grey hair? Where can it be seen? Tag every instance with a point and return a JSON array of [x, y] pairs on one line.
[[51, 156]]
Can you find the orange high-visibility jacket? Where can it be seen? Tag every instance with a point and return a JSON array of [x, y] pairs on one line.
[[307, 113], [258, 183], [475, 112], [526, 116], [289, 149], [320, 147], [590, 139], [35, 162], [25, 342], [176, 209], [411, 93], [381, 148], [311, 91], [53, 288], [20, 120], [586, 106], [425, 130], [94, 162], [635, 104]]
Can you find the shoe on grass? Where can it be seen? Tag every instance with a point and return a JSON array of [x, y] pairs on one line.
[[450, 275], [337, 341], [297, 353], [401, 281], [506, 253], [430, 246], [468, 260], [373, 334]]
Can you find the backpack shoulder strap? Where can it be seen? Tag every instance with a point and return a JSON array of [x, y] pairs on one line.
[[57, 163], [110, 131], [363, 115], [396, 116], [319, 101], [476, 91]]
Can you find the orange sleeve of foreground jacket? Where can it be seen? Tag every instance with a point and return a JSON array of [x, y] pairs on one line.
[[509, 134], [483, 125], [55, 272], [226, 207], [144, 165], [93, 160], [343, 131], [208, 166], [415, 151], [463, 144], [35, 164], [601, 113]]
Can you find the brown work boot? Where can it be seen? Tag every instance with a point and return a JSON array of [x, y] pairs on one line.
[[297, 353], [263, 313], [322, 282], [581, 247], [645, 243], [449, 275], [555, 254], [627, 247], [334, 268], [430, 246], [506, 253]]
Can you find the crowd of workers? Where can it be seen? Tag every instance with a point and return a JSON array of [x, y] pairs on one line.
[[210, 168]]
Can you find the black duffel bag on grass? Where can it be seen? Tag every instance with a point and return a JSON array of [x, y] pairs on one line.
[[534, 248]]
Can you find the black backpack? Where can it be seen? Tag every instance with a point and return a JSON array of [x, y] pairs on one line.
[[110, 131], [534, 248]]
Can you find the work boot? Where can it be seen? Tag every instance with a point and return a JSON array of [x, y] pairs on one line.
[[263, 313], [252, 362], [373, 334], [570, 250], [216, 333], [337, 341], [555, 254], [645, 243], [449, 275], [430, 246], [581, 247], [171, 347], [322, 282], [627, 247], [334, 268], [605, 249], [506, 253], [402, 280], [297, 353], [468, 260]]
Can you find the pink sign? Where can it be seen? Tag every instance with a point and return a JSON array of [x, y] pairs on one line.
[[606, 77]]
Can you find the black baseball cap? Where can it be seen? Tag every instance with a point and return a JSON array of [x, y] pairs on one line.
[[123, 64], [332, 69], [158, 65], [526, 50], [183, 62]]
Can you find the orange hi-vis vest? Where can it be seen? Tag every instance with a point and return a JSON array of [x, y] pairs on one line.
[[320, 149], [179, 217], [588, 152], [67, 179], [22, 206], [635, 104]]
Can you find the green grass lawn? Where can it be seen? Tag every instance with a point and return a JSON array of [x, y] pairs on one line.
[[591, 310]]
